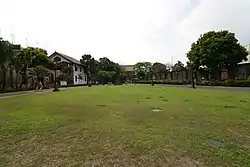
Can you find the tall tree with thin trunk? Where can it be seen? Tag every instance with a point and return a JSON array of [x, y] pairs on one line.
[[4, 61], [89, 65]]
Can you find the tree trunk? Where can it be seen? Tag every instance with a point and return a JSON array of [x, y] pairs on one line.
[[193, 74], [11, 77], [4, 79], [17, 74], [21, 84], [88, 81]]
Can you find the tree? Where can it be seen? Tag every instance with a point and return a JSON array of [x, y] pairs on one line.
[[66, 72], [142, 70], [32, 57], [27, 56], [217, 50], [114, 69], [104, 76], [179, 66], [159, 69], [14, 51], [40, 58], [40, 72], [17, 62], [89, 66], [4, 60]]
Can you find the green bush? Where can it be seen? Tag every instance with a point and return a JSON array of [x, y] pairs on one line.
[[170, 82], [17, 90], [66, 86], [229, 83], [248, 78]]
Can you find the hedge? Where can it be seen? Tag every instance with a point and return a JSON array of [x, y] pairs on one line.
[[228, 83], [71, 85]]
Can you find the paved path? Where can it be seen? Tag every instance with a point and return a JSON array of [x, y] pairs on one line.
[[23, 93], [235, 89]]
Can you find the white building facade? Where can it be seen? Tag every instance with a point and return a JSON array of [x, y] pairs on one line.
[[79, 76]]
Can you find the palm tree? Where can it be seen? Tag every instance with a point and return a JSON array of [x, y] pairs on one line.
[[13, 52], [40, 72], [18, 65], [88, 65], [27, 56]]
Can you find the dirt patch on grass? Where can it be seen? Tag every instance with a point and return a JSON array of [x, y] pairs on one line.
[[165, 100], [239, 134], [243, 101], [215, 143], [230, 106], [76, 149], [101, 105]]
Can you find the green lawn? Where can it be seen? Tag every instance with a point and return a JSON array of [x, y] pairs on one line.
[[115, 126]]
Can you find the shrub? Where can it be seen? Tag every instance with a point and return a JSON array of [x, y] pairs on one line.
[[248, 78], [170, 82], [229, 83], [65, 86]]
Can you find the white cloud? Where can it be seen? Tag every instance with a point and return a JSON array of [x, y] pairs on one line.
[[126, 31]]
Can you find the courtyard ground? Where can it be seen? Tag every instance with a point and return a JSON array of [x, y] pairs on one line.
[[126, 126]]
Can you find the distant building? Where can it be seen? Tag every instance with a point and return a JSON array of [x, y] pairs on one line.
[[77, 67], [248, 57], [243, 69], [128, 68]]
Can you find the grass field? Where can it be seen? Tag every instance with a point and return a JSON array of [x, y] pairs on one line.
[[115, 126]]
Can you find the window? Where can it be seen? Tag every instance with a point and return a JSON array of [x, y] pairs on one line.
[[75, 68], [57, 59], [80, 69], [76, 78]]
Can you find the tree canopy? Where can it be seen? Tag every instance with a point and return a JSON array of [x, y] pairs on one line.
[[142, 69], [217, 50]]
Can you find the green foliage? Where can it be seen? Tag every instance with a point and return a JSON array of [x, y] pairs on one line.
[[159, 69], [179, 66], [104, 76], [217, 50], [228, 83], [5, 48], [109, 71], [248, 78], [39, 71], [89, 66], [66, 72], [142, 69]]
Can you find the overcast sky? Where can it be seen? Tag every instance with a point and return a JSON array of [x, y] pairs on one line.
[[126, 31]]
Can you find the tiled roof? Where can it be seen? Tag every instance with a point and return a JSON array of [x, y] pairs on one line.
[[71, 59], [128, 67]]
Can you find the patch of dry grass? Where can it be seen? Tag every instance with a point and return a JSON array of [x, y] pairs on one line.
[[115, 126]]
